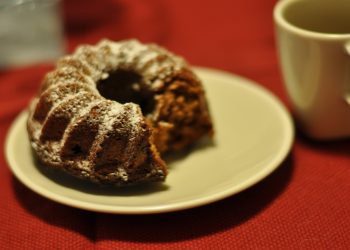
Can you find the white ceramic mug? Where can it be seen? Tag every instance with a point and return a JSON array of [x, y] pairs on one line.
[[313, 38]]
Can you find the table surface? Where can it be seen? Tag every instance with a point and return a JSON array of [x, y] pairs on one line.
[[304, 204]]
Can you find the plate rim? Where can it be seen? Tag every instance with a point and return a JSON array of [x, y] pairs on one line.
[[182, 205]]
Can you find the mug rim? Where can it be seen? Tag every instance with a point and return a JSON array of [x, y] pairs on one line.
[[281, 21]]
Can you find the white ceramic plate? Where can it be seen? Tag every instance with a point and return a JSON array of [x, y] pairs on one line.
[[254, 133]]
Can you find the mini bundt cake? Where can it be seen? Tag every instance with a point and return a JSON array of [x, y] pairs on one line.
[[107, 112]]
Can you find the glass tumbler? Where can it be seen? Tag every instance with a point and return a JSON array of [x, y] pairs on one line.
[[31, 31]]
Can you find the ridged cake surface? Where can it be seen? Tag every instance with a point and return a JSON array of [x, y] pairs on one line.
[[106, 112]]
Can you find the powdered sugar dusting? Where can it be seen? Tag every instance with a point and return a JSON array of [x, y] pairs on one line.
[[79, 113], [89, 64], [152, 62], [109, 119], [74, 81], [136, 117]]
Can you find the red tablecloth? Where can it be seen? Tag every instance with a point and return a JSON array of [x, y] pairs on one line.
[[304, 204]]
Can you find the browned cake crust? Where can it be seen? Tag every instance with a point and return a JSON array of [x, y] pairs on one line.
[[107, 110]]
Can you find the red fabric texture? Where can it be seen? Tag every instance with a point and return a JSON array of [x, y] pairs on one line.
[[304, 204]]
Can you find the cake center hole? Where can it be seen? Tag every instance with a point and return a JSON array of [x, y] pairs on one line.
[[126, 86]]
